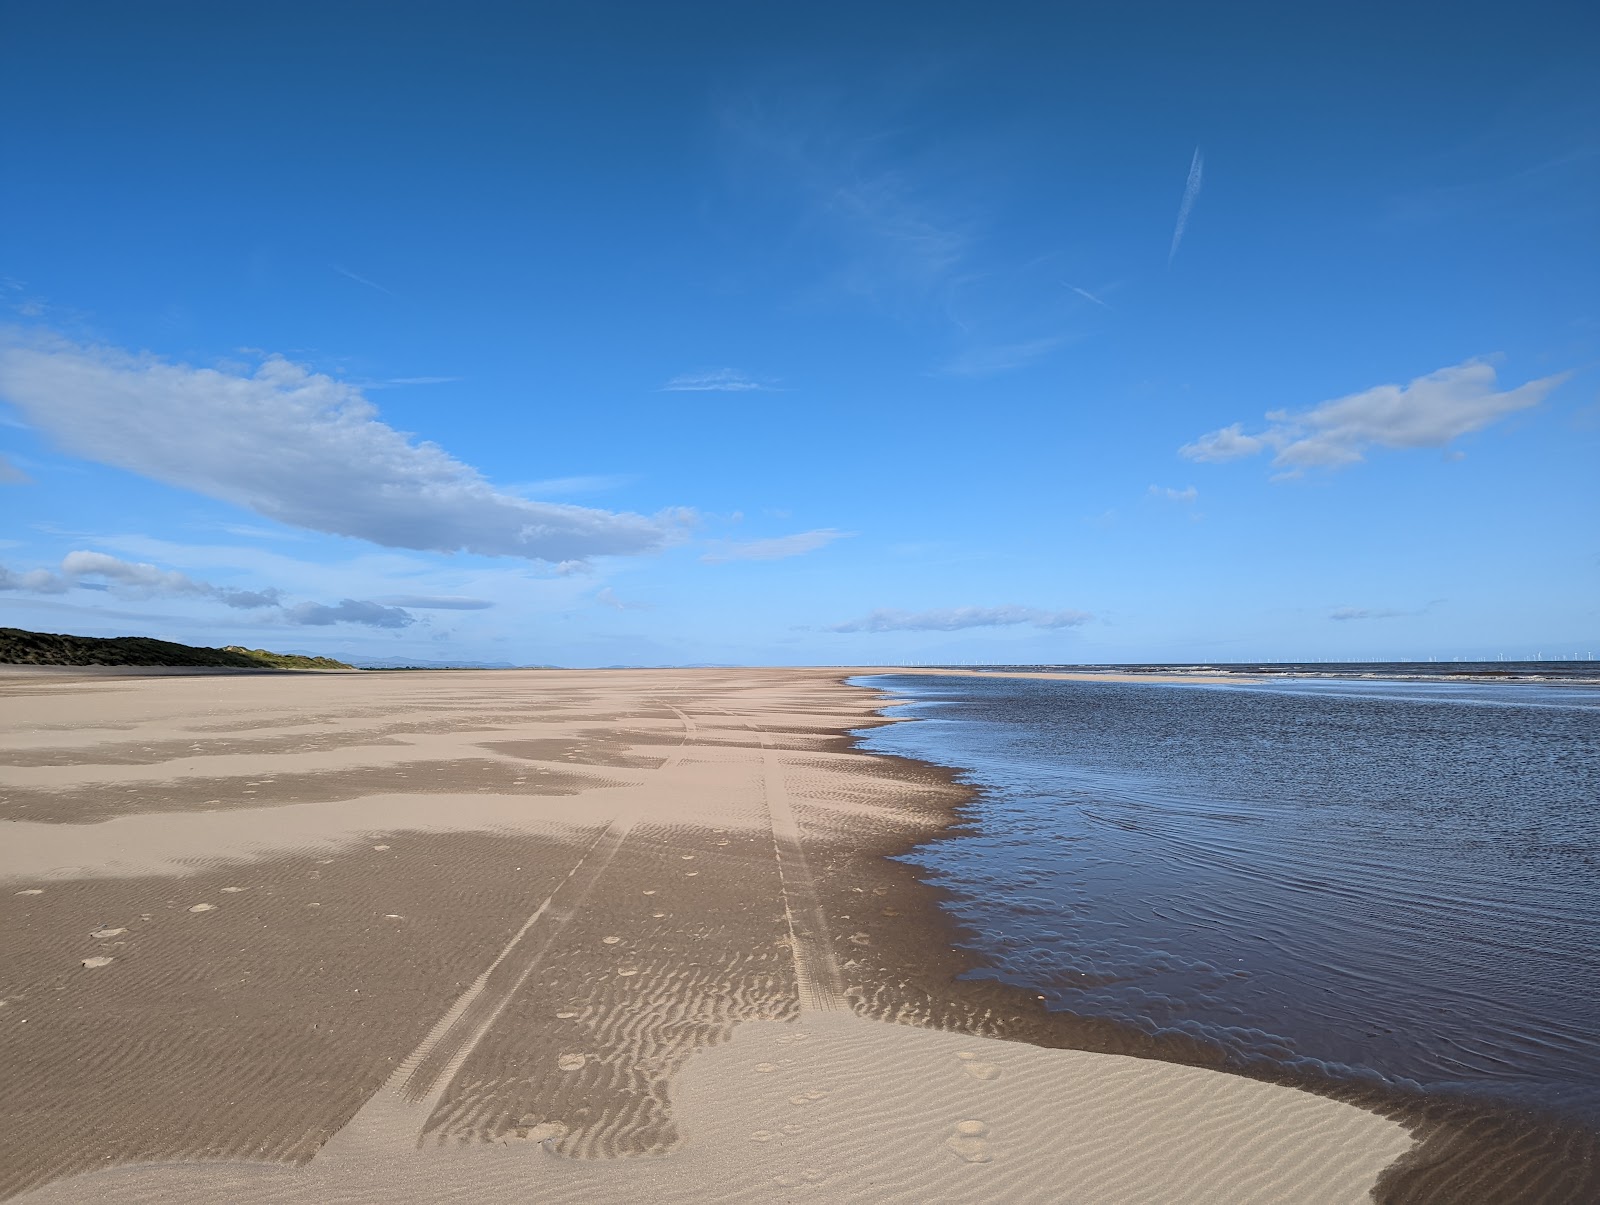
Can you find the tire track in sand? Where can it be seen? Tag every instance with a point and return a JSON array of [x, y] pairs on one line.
[[816, 967], [397, 1114]]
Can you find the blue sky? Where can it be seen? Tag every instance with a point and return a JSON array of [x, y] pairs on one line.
[[594, 334]]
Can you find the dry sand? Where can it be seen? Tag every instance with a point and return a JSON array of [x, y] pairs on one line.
[[568, 936]]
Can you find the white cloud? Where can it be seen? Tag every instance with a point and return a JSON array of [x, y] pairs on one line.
[[295, 446], [144, 578], [716, 380], [778, 547], [349, 610], [953, 619], [1174, 495], [33, 581], [1430, 412]]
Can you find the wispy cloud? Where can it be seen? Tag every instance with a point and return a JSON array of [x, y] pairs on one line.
[[361, 280], [10, 474], [595, 483], [957, 618], [1430, 412], [1347, 613], [1191, 190], [436, 602], [716, 380], [84, 569], [1186, 495], [858, 180], [607, 597], [987, 361], [298, 447], [778, 547]]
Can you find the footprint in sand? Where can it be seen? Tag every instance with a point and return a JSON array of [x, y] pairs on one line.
[[691, 874], [565, 1014], [811, 1175], [724, 841], [32, 891], [762, 1136], [571, 1062], [203, 908], [532, 1128], [611, 941], [104, 933], [652, 891], [99, 960], [380, 848], [233, 890], [766, 1068], [792, 1130], [971, 1064], [688, 857], [627, 972], [658, 915], [808, 1098], [969, 1142]]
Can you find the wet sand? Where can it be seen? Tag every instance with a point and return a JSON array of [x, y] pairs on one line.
[[582, 935]]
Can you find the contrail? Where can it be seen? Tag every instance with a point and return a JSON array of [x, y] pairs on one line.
[[360, 280], [1086, 294], [1191, 190]]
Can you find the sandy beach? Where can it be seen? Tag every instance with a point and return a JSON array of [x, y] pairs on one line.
[[586, 936]]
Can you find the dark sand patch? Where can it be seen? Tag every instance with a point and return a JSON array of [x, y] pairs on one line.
[[100, 801], [253, 1030]]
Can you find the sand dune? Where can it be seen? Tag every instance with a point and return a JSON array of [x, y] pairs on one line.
[[581, 935]]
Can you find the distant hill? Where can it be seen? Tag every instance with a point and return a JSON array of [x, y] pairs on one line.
[[18, 647], [412, 663]]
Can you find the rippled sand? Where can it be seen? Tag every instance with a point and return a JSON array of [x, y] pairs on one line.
[[579, 936]]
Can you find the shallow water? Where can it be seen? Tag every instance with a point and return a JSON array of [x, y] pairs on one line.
[[1372, 880]]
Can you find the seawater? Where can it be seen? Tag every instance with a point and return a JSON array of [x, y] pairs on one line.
[[1378, 881]]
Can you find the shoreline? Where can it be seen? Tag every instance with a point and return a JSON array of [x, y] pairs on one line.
[[716, 965], [1468, 1149]]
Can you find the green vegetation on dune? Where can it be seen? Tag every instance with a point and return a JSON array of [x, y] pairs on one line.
[[19, 647]]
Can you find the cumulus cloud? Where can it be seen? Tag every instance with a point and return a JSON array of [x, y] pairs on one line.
[[778, 547], [1174, 495], [149, 579], [716, 380], [953, 619], [295, 446], [33, 581], [349, 610], [1430, 412]]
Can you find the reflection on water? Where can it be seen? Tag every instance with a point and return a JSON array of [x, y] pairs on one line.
[[1390, 880]]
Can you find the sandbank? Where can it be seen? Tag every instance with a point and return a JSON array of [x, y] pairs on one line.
[[585, 936]]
